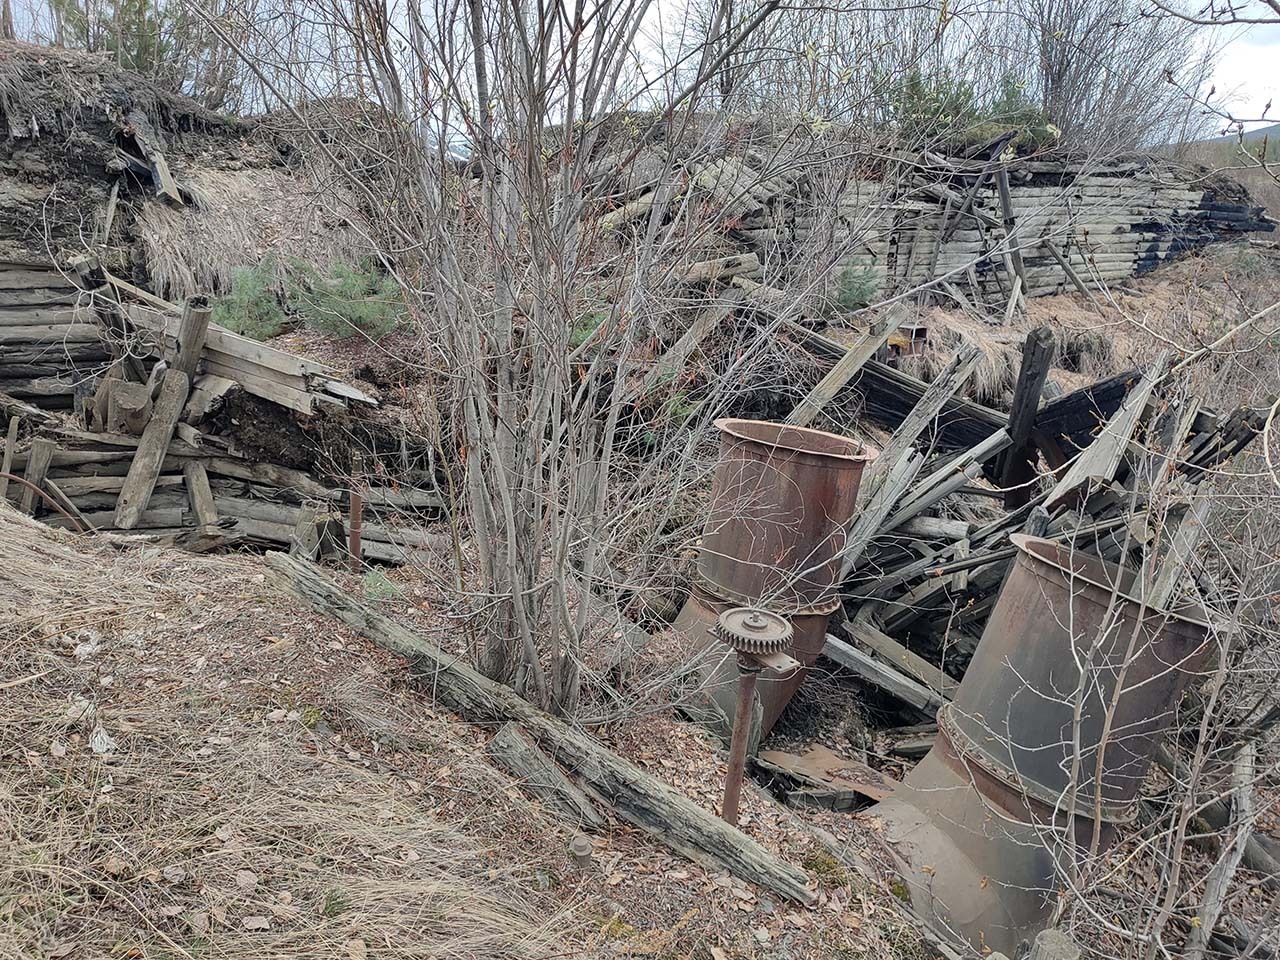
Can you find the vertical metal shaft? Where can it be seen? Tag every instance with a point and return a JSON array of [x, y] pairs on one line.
[[738, 744]]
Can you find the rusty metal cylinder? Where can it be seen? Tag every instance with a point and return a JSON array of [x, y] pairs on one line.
[[780, 505], [1042, 752], [1073, 673]]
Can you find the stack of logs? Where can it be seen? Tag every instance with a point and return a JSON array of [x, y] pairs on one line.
[[110, 425]]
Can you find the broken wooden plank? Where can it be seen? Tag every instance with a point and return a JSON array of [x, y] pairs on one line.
[[846, 368], [948, 478], [38, 461], [866, 633], [10, 448], [198, 493], [636, 796], [193, 330], [207, 396], [880, 674], [1101, 459], [538, 775], [837, 782], [151, 450], [1014, 468], [940, 391]]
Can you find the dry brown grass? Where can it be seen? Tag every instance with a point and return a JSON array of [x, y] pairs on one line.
[[238, 218], [155, 804]]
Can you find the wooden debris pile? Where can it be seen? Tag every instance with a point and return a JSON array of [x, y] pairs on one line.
[[114, 402]]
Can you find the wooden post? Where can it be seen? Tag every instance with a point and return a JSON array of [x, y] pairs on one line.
[[37, 467], [10, 444], [1015, 467], [198, 493], [191, 335], [1010, 226], [355, 524], [128, 408], [144, 470]]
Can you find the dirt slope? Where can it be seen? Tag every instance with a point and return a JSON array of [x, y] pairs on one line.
[[194, 767]]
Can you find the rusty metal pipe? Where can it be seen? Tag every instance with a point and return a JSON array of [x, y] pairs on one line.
[[781, 504], [984, 825], [747, 675]]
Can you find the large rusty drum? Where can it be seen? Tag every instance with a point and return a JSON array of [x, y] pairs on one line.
[[780, 507]]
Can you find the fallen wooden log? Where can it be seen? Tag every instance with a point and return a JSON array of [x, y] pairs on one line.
[[636, 796], [538, 775]]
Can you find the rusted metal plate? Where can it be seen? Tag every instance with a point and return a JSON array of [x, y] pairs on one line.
[[822, 767]]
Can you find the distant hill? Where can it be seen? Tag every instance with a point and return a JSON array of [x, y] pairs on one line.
[[1272, 131]]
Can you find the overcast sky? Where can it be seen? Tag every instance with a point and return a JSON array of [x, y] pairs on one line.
[[1248, 73]]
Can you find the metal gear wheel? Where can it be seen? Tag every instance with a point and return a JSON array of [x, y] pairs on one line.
[[752, 630]]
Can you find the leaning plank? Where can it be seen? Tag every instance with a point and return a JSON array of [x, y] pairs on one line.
[[198, 493], [948, 478], [1101, 459], [873, 512], [881, 675], [672, 362], [846, 369], [10, 445], [37, 469], [1014, 467], [941, 390], [151, 450], [1186, 535], [865, 632], [539, 776], [639, 798]]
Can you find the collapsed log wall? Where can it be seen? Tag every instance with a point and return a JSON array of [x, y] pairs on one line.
[[944, 224]]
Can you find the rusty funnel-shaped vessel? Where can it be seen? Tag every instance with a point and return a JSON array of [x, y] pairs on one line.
[[781, 504], [1041, 754]]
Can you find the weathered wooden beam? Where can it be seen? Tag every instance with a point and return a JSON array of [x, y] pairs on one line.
[[847, 368], [1010, 225], [151, 450], [1014, 469], [193, 330], [10, 448], [881, 675], [198, 493], [38, 461], [539, 776], [636, 796]]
